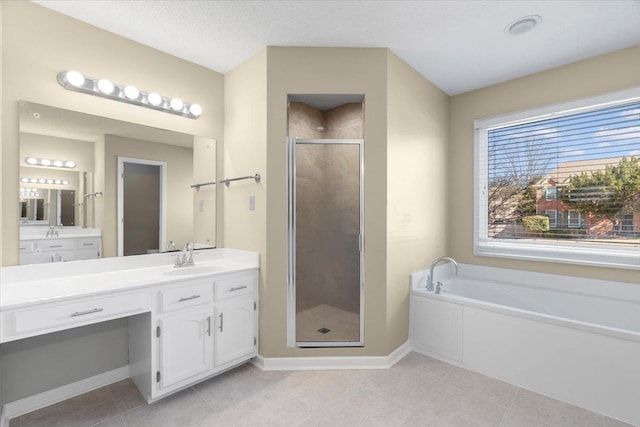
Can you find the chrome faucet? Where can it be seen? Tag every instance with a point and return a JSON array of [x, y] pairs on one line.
[[430, 285], [187, 257], [53, 231]]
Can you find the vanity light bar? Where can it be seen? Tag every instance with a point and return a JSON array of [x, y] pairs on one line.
[[49, 181], [73, 80], [34, 161]]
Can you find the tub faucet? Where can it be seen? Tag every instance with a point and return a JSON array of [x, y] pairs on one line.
[[430, 282]]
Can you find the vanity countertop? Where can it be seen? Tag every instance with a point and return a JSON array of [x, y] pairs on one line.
[[40, 233], [29, 285]]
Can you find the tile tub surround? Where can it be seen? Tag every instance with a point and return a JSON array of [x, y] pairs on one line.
[[417, 391]]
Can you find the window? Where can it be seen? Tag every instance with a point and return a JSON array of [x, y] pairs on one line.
[[550, 193], [553, 218], [574, 219], [576, 163]]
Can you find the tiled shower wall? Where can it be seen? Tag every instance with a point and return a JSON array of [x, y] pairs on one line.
[[328, 217], [342, 122]]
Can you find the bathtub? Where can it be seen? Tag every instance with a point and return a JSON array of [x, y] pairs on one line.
[[570, 338]]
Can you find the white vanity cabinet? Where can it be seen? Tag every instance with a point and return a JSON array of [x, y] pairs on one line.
[[235, 308], [184, 325], [199, 328], [184, 331], [59, 249], [185, 346]]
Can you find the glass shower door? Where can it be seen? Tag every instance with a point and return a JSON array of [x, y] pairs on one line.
[[325, 243]]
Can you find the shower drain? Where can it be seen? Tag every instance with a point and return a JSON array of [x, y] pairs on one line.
[[324, 330]]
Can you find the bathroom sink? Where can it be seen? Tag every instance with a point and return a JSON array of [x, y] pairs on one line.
[[187, 271]]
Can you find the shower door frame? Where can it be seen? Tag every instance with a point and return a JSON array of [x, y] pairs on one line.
[[291, 244]]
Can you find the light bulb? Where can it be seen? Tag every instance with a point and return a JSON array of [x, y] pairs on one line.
[[176, 104], [42, 180], [154, 99], [32, 160], [105, 86], [57, 163], [33, 180], [57, 181], [70, 164], [131, 92], [74, 78], [45, 162], [24, 180], [65, 182], [49, 181], [195, 109]]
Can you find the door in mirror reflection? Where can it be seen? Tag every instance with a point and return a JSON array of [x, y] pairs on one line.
[[140, 206], [67, 207], [325, 243]]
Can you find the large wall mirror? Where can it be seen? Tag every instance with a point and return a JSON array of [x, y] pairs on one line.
[[69, 163]]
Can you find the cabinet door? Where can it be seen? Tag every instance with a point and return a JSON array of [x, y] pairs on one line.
[[235, 330], [186, 345]]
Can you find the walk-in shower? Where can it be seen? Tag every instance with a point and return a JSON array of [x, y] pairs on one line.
[[326, 220], [325, 242]]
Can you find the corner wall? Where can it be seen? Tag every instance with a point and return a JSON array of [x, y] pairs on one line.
[[417, 188], [245, 153], [607, 73], [325, 70]]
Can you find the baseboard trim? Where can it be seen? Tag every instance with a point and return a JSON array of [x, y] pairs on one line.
[[331, 363], [58, 394]]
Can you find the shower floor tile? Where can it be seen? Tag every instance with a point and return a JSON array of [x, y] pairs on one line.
[[342, 325]]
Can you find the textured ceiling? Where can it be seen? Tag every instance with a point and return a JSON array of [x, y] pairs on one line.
[[458, 45]]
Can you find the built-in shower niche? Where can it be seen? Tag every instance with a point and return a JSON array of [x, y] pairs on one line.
[[322, 116], [326, 153]]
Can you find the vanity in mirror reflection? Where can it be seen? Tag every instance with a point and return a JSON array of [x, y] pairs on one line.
[[72, 201]]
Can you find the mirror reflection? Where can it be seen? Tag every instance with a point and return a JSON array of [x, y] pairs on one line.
[[76, 201]]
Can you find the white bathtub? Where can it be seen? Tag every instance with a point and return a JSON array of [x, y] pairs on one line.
[[574, 339]]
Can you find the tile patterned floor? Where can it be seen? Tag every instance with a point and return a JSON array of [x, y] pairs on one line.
[[343, 325], [418, 391]]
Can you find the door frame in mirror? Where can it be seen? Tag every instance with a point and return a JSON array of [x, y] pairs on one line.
[[120, 195]]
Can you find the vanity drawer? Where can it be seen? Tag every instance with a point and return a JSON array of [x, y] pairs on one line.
[[54, 244], [87, 243], [185, 296], [234, 286], [52, 317]]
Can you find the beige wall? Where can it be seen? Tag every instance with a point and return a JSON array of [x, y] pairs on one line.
[[245, 153], [52, 147], [37, 44], [33, 54], [325, 70], [179, 202], [417, 163], [614, 71]]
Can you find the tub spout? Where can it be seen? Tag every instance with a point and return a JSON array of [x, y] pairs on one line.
[[430, 281]]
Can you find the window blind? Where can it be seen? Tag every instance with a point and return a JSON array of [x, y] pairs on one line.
[[582, 167]]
